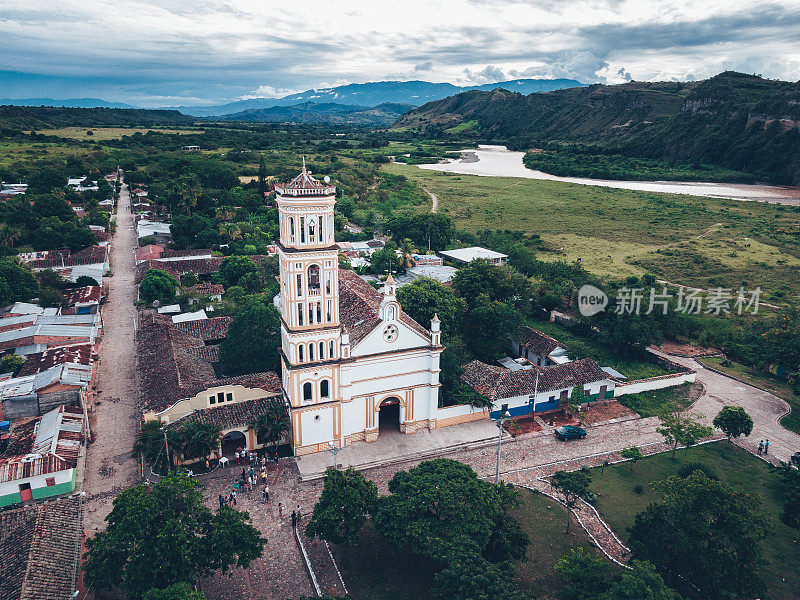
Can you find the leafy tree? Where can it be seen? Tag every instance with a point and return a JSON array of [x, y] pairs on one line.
[[272, 423], [51, 279], [733, 421], [500, 283], [703, 536], [11, 363], [641, 582], [385, 260], [346, 500], [85, 281], [262, 176], [253, 339], [49, 205], [150, 445], [573, 485], [573, 402], [163, 534], [683, 429], [472, 577], [49, 297], [158, 285], [790, 478], [46, 178], [583, 575], [633, 454], [233, 268], [490, 326], [425, 297], [17, 281], [441, 509], [176, 591]]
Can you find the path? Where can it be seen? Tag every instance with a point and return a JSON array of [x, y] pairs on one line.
[[765, 409], [114, 415], [434, 200]]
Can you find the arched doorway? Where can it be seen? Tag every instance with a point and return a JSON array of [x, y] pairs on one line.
[[232, 441], [389, 416]]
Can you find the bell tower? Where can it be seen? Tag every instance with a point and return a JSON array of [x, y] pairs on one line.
[[309, 294]]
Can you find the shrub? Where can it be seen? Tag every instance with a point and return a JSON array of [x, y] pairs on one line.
[[689, 468], [638, 489]]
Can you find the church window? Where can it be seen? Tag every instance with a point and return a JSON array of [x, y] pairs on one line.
[[322, 350], [330, 311], [300, 353], [311, 352], [324, 389], [390, 313], [299, 284], [332, 353], [319, 312], [313, 279], [310, 314], [221, 397], [291, 227], [212, 399], [321, 221], [302, 230], [307, 393], [328, 283], [300, 313]]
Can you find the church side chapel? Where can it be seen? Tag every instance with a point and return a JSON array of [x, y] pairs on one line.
[[354, 365]]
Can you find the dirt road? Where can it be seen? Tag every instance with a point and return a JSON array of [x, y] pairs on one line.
[[110, 467]]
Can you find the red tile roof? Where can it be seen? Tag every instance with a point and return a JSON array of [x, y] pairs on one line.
[[213, 329], [497, 382], [88, 256], [41, 361], [539, 343], [91, 293], [227, 416]]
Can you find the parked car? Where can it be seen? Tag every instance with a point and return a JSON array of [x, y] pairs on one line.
[[796, 459], [570, 432]]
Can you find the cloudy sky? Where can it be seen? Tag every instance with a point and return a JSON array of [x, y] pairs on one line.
[[169, 52]]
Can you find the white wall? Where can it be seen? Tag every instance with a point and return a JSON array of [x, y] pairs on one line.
[[38, 481], [655, 383]]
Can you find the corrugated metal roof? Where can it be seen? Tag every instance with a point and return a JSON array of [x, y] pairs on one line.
[[90, 319]]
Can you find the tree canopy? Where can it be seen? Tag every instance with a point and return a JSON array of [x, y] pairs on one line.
[[17, 281], [347, 499], [733, 421], [158, 285], [162, 534], [425, 297], [253, 339]]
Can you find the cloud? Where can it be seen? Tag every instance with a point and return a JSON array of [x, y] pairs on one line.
[[423, 67], [489, 74], [582, 65], [268, 91]]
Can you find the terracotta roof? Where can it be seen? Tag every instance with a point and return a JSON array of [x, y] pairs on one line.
[[497, 382], [91, 293], [174, 365], [190, 252], [208, 289], [539, 343], [207, 353], [39, 550], [201, 266], [304, 181], [236, 414], [41, 361], [358, 307], [88, 256], [213, 329]]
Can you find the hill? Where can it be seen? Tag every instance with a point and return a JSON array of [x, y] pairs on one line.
[[414, 93], [732, 120], [29, 117], [328, 113], [68, 103]]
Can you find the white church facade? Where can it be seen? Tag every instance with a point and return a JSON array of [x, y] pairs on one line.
[[353, 363]]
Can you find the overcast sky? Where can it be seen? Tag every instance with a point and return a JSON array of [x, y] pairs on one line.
[[169, 52]]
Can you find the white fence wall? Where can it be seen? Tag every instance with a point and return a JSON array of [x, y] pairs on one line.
[[653, 383]]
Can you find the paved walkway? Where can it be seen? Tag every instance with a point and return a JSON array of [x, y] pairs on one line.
[[766, 410], [114, 415]]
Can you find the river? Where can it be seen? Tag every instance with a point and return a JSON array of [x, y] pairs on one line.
[[499, 161]]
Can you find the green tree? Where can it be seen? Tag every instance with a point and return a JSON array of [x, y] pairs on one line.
[[583, 575], [633, 454], [425, 297], [163, 534], [790, 478], [49, 297], [85, 281], [385, 260], [472, 577], [17, 281], [158, 285], [490, 326], [678, 428], [733, 421], [176, 591], [50, 205], [501, 283], [252, 342], [199, 440], [11, 363], [270, 425], [233, 268], [573, 486], [152, 447], [51, 279], [441, 509], [45, 179], [262, 176], [641, 582], [703, 536], [346, 500]]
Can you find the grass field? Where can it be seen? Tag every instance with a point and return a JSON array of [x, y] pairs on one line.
[[657, 402], [684, 239], [583, 347], [12, 152], [769, 382], [372, 571], [107, 133], [619, 504]]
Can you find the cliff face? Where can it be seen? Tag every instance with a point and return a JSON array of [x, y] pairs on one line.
[[733, 120]]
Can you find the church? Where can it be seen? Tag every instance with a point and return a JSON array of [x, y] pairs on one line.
[[353, 363]]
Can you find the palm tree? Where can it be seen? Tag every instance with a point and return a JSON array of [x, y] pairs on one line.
[[272, 423], [189, 194], [231, 231], [198, 440], [150, 445], [9, 235], [407, 248]]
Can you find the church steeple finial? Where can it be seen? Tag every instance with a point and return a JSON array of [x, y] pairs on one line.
[[304, 163]]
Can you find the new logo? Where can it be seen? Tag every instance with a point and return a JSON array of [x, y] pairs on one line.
[[591, 300]]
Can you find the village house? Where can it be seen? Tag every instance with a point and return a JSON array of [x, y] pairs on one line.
[[467, 255], [40, 456], [82, 300], [538, 348]]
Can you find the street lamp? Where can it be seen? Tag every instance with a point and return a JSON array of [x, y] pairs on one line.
[[602, 472], [335, 450], [166, 449], [504, 416]]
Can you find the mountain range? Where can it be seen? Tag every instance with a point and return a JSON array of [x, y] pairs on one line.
[[68, 103], [328, 113], [733, 120]]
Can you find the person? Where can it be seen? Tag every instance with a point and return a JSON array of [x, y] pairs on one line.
[[250, 481], [236, 454], [208, 466], [766, 446], [299, 513], [280, 509], [761, 446], [265, 494], [221, 500], [232, 498], [294, 519]]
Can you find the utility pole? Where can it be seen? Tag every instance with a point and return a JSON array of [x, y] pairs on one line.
[[502, 419], [166, 448]]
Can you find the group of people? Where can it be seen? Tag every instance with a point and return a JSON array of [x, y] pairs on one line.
[[763, 447]]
